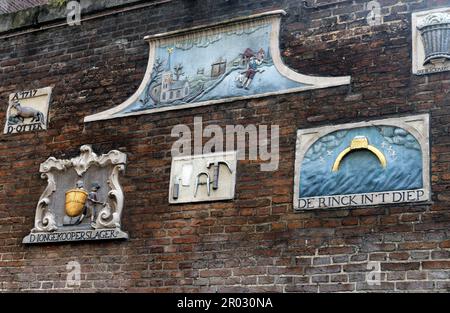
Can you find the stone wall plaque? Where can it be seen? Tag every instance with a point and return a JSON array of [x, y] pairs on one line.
[[201, 178], [361, 164], [233, 60], [431, 41], [28, 111], [83, 199]]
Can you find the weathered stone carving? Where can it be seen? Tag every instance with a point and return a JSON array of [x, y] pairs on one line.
[[28, 111], [435, 32], [109, 216], [62, 209], [431, 41], [45, 219], [204, 177]]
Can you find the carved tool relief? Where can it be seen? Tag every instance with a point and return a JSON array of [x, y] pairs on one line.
[[207, 177]]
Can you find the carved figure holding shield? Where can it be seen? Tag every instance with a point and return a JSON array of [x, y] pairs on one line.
[[91, 203]]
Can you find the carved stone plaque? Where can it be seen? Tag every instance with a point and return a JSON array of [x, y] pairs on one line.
[[28, 111], [83, 200], [361, 164], [234, 60], [206, 177], [430, 40]]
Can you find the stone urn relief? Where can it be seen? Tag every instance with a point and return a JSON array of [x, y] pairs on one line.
[[434, 30], [430, 41]]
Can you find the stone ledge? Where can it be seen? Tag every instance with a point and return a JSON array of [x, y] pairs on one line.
[[45, 14]]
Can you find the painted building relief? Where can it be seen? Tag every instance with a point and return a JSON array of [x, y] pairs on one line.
[[83, 199], [367, 163], [206, 177], [238, 59], [431, 44], [28, 111]]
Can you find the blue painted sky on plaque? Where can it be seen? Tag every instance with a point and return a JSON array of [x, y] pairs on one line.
[[233, 63], [361, 170]]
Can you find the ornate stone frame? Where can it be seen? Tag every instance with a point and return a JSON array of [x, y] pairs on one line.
[[109, 217], [273, 17]]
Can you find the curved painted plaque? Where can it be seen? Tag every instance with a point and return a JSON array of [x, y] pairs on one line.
[[369, 163], [238, 59]]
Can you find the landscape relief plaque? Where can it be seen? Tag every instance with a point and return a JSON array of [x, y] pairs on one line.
[[83, 200], [233, 60], [361, 164]]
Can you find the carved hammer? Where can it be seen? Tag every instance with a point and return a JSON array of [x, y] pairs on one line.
[[217, 171]]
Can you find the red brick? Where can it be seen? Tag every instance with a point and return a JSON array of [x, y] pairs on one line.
[[336, 250], [435, 264], [400, 266]]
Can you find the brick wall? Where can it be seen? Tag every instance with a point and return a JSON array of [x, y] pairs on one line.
[[256, 242]]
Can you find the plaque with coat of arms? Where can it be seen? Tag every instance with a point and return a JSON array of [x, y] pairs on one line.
[[83, 199]]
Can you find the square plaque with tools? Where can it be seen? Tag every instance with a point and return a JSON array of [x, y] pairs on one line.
[[201, 178]]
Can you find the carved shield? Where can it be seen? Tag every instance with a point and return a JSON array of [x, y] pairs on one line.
[[75, 201]]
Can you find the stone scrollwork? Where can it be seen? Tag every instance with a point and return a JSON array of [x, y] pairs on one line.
[[86, 158], [109, 216], [97, 188], [434, 19], [45, 219], [53, 163], [84, 161]]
